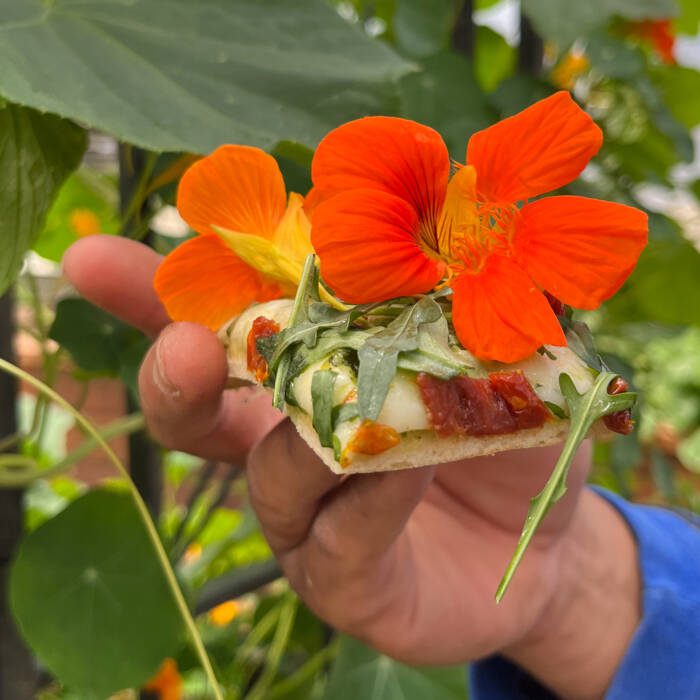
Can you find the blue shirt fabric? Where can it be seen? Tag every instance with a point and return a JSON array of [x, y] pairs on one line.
[[663, 660]]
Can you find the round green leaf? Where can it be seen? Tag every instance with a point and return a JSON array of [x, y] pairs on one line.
[[37, 153], [360, 672], [177, 75], [91, 598]]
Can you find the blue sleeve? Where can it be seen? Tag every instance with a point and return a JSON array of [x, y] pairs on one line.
[[663, 660]]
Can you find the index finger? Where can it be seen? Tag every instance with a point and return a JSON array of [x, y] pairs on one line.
[[116, 274]]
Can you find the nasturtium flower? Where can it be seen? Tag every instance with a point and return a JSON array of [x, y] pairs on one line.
[[252, 240], [657, 32], [392, 222], [572, 65], [167, 683]]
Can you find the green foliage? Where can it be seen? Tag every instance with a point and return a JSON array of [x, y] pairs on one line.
[[98, 342], [494, 59], [37, 153], [254, 72], [423, 27], [90, 597], [86, 193], [360, 672], [663, 287], [446, 96], [680, 87], [579, 19]]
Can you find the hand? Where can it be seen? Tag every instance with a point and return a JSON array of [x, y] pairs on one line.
[[409, 561]]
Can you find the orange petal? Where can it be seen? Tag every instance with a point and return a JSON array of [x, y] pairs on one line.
[[366, 243], [580, 250], [203, 281], [536, 151], [237, 188], [499, 314], [389, 154]]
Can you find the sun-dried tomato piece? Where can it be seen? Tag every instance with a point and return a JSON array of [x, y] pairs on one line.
[[501, 404], [370, 439], [525, 405], [262, 327]]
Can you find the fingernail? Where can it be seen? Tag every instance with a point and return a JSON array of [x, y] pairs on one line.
[[160, 366]]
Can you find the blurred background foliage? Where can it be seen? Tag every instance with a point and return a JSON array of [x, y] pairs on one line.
[[103, 105]]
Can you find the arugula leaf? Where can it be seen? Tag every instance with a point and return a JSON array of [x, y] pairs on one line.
[[379, 354], [585, 410], [345, 412], [308, 287], [580, 340], [322, 401], [556, 409]]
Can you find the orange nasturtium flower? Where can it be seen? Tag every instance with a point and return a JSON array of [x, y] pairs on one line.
[[659, 33], [167, 683], [252, 244], [570, 67], [392, 223]]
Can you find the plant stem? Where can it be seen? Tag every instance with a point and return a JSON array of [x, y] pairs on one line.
[[121, 426], [305, 672], [143, 512], [276, 650]]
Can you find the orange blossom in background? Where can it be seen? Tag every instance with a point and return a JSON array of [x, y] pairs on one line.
[[392, 222]]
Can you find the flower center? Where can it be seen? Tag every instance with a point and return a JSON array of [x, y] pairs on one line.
[[491, 231]]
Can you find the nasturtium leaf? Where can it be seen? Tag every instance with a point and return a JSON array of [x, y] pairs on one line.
[[177, 75], [446, 96], [37, 153], [86, 204], [518, 92], [423, 27], [360, 672], [663, 287], [96, 340], [562, 24], [494, 58], [689, 20], [680, 87], [91, 599]]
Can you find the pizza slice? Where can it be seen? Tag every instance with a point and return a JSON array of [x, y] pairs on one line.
[[387, 386]]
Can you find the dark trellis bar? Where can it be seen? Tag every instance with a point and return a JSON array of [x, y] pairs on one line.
[[18, 673], [531, 49], [145, 464], [463, 36]]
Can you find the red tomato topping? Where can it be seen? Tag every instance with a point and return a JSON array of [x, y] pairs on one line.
[[620, 421], [525, 406], [503, 403], [262, 328]]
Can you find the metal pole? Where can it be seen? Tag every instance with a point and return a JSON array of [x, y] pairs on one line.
[[18, 673]]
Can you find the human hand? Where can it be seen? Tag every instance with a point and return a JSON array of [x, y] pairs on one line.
[[409, 561]]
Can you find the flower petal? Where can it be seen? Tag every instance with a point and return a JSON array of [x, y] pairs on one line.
[[366, 242], [499, 314], [535, 151], [204, 282], [580, 250], [389, 154], [459, 217], [236, 187]]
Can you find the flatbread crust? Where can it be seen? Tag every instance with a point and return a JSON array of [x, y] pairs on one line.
[[416, 449]]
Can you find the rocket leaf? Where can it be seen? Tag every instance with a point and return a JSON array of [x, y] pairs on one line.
[[585, 410]]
